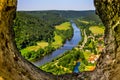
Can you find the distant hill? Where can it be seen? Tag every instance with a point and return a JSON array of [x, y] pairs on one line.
[[87, 15]]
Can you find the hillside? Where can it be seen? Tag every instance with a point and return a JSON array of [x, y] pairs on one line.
[[30, 29], [89, 15]]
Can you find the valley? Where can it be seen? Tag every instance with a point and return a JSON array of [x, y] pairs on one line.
[[84, 55], [39, 33]]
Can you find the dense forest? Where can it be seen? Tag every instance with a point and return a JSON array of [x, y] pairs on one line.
[[30, 29], [86, 15]]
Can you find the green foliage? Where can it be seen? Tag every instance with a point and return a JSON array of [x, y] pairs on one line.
[[82, 67], [65, 30], [63, 64], [51, 18], [30, 28], [35, 55], [66, 62], [49, 49], [34, 26], [62, 32], [96, 30], [65, 34]]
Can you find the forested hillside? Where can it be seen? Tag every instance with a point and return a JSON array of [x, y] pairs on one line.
[[86, 15], [29, 29], [39, 35], [32, 26]]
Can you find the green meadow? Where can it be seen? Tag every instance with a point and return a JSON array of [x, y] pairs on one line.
[[96, 29], [60, 34]]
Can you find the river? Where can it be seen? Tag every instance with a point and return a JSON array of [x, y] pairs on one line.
[[67, 46]]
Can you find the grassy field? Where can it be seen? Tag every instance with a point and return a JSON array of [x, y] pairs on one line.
[[23, 51], [58, 41], [39, 45], [96, 30], [87, 54], [56, 44], [83, 21], [63, 26]]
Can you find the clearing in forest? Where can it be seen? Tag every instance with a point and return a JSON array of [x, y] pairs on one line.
[[63, 26], [97, 30]]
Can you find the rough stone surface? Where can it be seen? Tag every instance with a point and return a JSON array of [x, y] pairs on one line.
[[108, 67], [14, 67]]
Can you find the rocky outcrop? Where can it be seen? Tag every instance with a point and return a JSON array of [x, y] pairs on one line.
[[108, 67], [14, 67]]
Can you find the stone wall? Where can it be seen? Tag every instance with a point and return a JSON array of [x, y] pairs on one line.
[[14, 67]]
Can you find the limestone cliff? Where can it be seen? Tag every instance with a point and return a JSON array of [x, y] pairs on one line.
[[14, 67]]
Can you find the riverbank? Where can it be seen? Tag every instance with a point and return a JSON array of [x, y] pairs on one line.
[[87, 52], [91, 46], [61, 34], [67, 46], [67, 56]]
